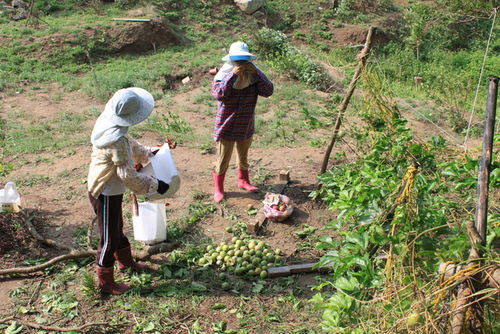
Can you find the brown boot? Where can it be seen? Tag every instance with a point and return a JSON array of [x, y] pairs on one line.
[[107, 282], [125, 260]]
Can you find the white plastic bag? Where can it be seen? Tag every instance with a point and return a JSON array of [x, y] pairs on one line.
[[163, 168], [274, 201], [150, 224]]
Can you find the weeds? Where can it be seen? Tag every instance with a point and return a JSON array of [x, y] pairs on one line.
[[89, 286]]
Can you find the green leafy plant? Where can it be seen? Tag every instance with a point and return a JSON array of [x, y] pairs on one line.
[[393, 237]]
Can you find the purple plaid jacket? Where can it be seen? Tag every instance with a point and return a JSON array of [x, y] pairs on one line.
[[236, 108]]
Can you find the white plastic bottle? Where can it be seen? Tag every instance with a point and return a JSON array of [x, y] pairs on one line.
[[10, 200]]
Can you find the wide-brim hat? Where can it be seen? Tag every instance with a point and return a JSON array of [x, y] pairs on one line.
[[129, 106], [238, 51]]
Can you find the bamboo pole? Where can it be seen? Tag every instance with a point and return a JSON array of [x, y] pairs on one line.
[[362, 58], [477, 231], [485, 166]]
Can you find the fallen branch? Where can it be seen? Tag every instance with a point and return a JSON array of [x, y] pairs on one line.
[[27, 270], [141, 255], [75, 254], [55, 328]]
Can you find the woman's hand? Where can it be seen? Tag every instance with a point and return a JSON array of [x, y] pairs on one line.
[[162, 187], [247, 67], [238, 70]]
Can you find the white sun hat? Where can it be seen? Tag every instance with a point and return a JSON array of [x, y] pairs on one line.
[[238, 51], [129, 106]]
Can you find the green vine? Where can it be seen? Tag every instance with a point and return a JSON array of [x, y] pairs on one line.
[[392, 238]]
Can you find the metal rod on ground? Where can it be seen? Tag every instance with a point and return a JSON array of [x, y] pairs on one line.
[[133, 20], [362, 57], [292, 269], [485, 166]]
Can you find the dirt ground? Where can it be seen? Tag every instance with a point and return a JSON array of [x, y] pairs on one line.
[[60, 198], [62, 201], [62, 208]]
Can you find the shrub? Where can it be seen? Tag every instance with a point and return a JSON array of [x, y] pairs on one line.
[[269, 43], [273, 46]]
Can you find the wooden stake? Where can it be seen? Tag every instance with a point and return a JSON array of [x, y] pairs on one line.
[[362, 58], [477, 231], [485, 166]]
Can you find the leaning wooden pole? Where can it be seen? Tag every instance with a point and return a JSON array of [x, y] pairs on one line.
[[477, 231], [362, 58]]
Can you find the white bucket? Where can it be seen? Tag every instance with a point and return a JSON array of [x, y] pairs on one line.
[[10, 198], [150, 225], [162, 167]]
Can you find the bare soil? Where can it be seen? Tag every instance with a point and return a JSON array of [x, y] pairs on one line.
[[61, 202], [122, 37]]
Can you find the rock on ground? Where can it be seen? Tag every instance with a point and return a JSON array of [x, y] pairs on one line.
[[249, 6]]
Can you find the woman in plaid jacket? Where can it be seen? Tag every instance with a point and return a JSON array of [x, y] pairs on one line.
[[236, 86]]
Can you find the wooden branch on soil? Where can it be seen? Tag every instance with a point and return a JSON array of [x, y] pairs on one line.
[[362, 58], [75, 254], [28, 270], [55, 328], [155, 249], [141, 255]]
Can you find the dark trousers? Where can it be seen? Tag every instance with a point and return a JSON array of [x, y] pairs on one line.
[[110, 222]]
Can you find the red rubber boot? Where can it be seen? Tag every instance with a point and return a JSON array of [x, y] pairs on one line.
[[244, 182], [219, 186]]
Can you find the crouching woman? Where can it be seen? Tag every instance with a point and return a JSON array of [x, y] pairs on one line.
[[111, 171]]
